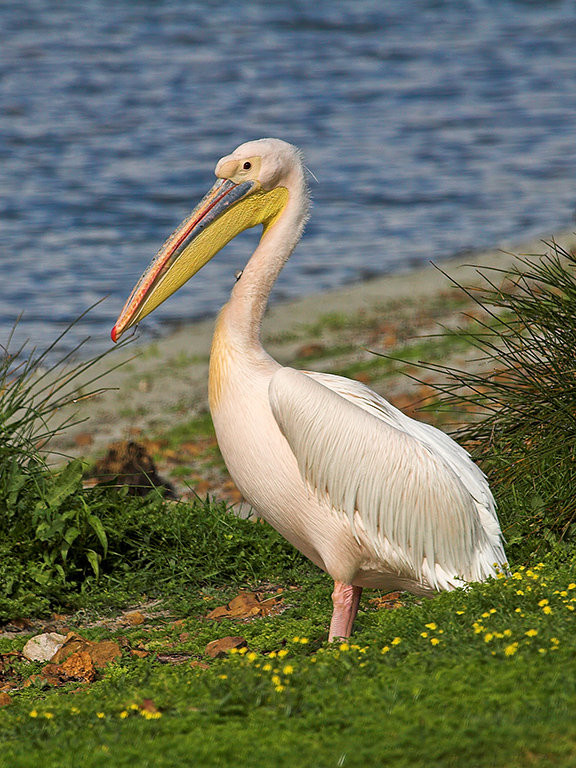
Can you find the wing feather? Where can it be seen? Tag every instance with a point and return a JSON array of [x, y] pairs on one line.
[[424, 502]]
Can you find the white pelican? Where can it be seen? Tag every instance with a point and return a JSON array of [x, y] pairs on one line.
[[371, 496]]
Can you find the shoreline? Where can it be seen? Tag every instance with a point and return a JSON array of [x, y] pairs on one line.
[[164, 382]]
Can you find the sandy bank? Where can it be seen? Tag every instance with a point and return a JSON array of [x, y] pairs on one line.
[[166, 381]]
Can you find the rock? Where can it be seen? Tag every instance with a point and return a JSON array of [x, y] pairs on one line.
[[43, 647], [217, 649]]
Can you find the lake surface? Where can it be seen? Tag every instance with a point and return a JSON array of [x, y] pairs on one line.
[[433, 128]]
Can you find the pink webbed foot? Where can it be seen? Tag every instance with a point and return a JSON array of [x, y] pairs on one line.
[[345, 599]]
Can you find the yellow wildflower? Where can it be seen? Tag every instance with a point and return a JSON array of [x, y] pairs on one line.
[[267, 667], [252, 656], [396, 640], [385, 649], [519, 591], [33, 713], [223, 677], [303, 640], [74, 711], [288, 669], [488, 637], [344, 647], [542, 650], [547, 609], [572, 586], [100, 715], [432, 625], [296, 639], [511, 649], [434, 640], [279, 688], [507, 632], [570, 607], [282, 653], [531, 632], [460, 613], [276, 680], [423, 634], [123, 714], [542, 603], [517, 575], [272, 654], [555, 640], [563, 593], [485, 615], [242, 651]]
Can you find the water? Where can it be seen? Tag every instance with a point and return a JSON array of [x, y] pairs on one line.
[[433, 127]]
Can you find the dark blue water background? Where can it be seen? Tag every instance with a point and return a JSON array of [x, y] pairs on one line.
[[433, 127]]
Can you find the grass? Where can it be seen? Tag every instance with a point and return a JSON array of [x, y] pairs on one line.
[[393, 695], [477, 678]]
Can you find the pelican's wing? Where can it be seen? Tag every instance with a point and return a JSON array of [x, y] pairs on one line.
[[367, 464], [457, 458]]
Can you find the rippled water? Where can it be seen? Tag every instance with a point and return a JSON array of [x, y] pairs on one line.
[[433, 127]]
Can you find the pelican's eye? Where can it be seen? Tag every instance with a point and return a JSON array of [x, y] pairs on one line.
[[247, 165]]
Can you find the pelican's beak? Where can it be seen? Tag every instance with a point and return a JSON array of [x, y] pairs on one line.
[[225, 211]]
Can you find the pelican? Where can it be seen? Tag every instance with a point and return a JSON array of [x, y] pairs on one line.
[[371, 496]]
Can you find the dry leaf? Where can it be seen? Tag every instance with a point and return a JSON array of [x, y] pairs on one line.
[[246, 605], [199, 664], [148, 706], [217, 649], [140, 653], [135, 618], [389, 601], [79, 666], [100, 653], [5, 699]]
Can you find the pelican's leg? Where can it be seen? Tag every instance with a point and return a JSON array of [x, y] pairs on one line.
[[345, 599]]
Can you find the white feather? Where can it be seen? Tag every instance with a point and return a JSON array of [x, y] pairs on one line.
[[411, 487]]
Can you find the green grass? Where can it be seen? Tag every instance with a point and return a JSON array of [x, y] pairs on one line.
[[487, 694]]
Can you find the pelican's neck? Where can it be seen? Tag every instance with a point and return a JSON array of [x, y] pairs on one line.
[[242, 316]]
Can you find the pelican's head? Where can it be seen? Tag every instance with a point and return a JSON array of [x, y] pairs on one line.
[[252, 188]]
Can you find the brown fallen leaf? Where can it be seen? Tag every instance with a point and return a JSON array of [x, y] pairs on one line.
[[140, 653], [246, 605], [148, 706], [310, 350], [217, 649], [79, 666], [135, 618], [100, 653], [199, 664], [72, 643], [388, 601], [5, 699]]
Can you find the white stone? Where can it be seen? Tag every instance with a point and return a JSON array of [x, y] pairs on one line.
[[43, 647]]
